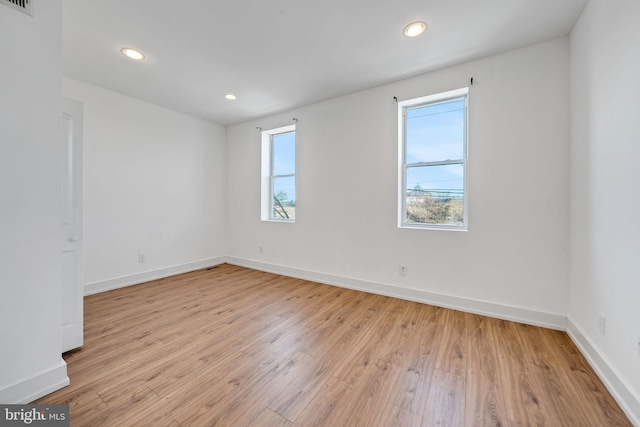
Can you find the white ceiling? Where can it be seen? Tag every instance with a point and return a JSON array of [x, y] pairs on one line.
[[276, 55]]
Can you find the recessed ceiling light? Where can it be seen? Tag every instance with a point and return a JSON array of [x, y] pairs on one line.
[[231, 96], [415, 29], [132, 53]]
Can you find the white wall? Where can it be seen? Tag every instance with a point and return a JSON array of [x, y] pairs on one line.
[[30, 203], [605, 201], [515, 252], [154, 183]]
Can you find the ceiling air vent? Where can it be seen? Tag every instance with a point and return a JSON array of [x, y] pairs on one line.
[[21, 5]]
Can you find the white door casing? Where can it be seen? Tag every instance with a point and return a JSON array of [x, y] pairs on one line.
[[72, 269]]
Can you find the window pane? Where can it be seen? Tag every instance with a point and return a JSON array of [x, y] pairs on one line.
[[435, 132], [284, 198], [284, 154], [435, 195]]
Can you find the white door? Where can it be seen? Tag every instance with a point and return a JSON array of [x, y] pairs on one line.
[[72, 274]]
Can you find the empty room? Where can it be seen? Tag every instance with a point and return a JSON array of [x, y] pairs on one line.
[[336, 213]]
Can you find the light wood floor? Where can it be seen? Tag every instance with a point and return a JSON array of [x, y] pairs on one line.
[[237, 347]]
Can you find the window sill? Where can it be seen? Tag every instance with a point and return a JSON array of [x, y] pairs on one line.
[[434, 227]]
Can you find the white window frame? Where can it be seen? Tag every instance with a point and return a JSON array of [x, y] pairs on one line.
[[266, 208], [462, 93]]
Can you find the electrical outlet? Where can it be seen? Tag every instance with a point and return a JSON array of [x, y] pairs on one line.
[[140, 257], [602, 324], [260, 250], [402, 270]]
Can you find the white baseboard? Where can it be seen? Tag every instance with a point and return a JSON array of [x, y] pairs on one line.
[[134, 279], [626, 398], [36, 386], [516, 314]]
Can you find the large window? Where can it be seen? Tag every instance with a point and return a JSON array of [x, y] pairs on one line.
[[279, 174], [433, 161]]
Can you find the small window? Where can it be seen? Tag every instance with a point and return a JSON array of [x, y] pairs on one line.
[[433, 161], [279, 174]]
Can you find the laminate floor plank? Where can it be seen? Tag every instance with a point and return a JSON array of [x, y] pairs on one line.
[[404, 330], [242, 406], [268, 418], [328, 406], [412, 385], [446, 400], [522, 400], [484, 401], [231, 346], [372, 395], [452, 351], [364, 353], [556, 390], [291, 402], [391, 415]]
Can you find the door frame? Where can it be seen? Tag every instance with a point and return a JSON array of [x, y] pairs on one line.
[[72, 236]]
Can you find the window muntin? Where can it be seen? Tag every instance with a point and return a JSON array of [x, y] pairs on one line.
[[432, 157], [279, 174]]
